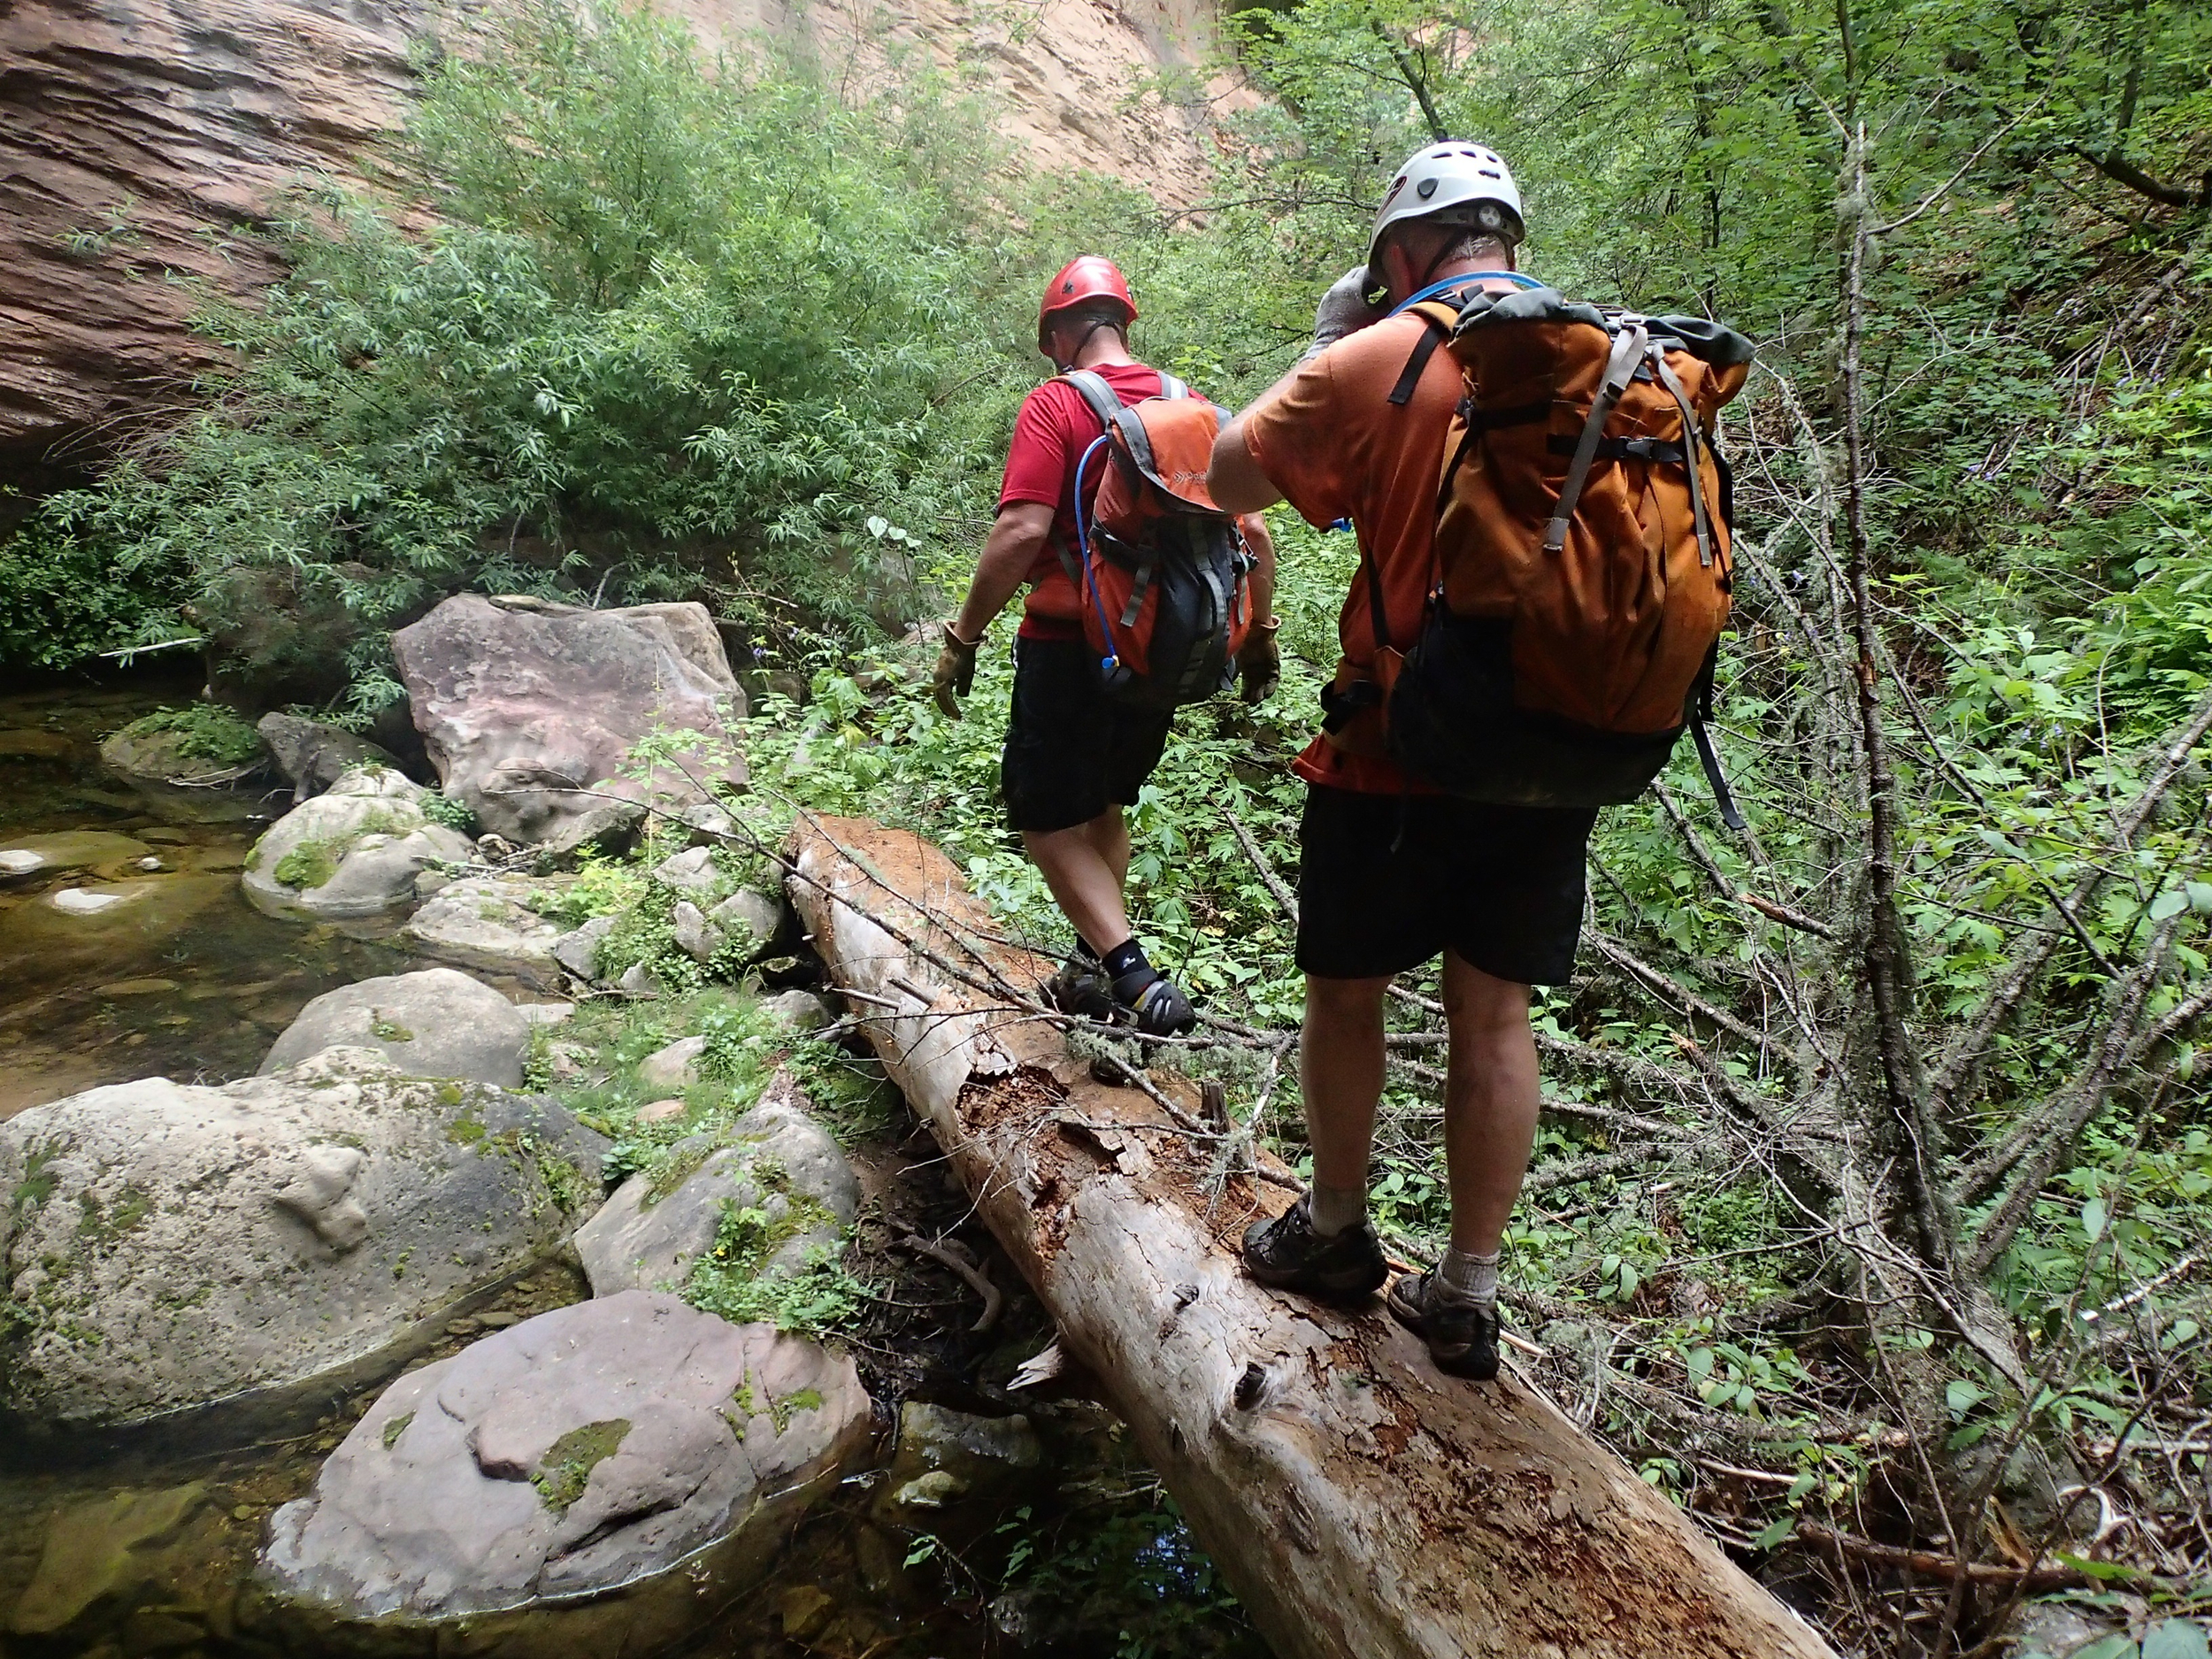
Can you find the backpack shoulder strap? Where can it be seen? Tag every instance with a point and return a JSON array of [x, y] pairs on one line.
[[1437, 319], [1169, 387], [1103, 401]]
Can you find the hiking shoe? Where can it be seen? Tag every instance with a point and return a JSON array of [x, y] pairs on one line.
[[1161, 1010], [1081, 987], [1462, 1336], [1287, 1254]]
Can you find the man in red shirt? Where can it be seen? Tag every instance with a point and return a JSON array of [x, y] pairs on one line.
[[1075, 757], [1391, 872]]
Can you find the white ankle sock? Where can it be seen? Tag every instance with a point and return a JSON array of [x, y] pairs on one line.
[[1330, 1210], [1466, 1277]]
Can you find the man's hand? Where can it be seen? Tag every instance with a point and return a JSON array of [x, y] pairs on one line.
[[1343, 310], [954, 677], [1260, 663]]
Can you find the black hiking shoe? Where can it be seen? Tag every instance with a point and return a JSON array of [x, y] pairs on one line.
[[1462, 1336], [1159, 1009], [1081, 987], [1287, 1254]]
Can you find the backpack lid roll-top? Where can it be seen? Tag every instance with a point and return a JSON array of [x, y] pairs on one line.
[[1160, 462]]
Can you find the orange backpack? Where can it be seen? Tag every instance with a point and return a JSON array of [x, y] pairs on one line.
[[1161, 572], [1583, 567]]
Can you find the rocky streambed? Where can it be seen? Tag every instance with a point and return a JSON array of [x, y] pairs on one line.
[[419, 1237]]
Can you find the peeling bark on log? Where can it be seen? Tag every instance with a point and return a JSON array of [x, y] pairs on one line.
[[1362, 1504]]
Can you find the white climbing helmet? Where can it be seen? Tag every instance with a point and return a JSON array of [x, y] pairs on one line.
[[1452, 183]]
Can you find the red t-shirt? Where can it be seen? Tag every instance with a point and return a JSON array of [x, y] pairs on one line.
[[1051, 433]]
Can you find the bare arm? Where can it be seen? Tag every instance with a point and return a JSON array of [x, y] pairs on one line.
[[1235, 479], [1262, 546], [1009, 552]]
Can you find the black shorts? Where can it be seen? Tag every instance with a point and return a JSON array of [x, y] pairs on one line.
[[1071, 751], [1385, 881]]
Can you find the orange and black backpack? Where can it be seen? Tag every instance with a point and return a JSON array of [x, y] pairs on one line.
[[1163, 573], [1583, 564]]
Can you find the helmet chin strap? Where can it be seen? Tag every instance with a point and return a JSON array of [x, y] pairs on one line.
[[1076, 356]]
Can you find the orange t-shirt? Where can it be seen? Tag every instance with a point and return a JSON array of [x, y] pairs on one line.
[[1328, 436]]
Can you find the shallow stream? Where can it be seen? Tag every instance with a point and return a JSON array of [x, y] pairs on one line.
[[157, 966]]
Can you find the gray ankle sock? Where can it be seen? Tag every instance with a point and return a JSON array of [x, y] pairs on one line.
[[1330, 1210], [1466, 1277]]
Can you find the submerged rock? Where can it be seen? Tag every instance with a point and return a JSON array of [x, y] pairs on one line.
[[775, 1159], [431, 1023], [487, 923], [499, 1497], [103, 1554], [69, 849], [352, 853], [529, 709], [945, 1457], [170, 1245]]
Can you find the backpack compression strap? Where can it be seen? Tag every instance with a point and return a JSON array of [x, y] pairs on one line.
[[1701, 711], [1620, 368]]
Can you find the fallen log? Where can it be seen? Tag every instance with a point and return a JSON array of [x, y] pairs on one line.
[[1362, 1504]]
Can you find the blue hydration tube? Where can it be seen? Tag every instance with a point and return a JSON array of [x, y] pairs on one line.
[[1110, 661], [1461, 281]]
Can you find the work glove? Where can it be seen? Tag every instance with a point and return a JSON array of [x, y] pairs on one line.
[[954, 677], [1343, 310], [1260, 665]]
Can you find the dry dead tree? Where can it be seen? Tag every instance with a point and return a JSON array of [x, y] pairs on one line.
[[1362, 1505]]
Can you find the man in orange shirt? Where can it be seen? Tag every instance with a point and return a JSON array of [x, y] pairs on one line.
[[1391, 872]]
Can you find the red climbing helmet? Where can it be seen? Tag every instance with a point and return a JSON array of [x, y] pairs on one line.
[[1085, 277]]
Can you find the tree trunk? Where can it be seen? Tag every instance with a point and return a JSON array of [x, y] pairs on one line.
[[1362, 1504]]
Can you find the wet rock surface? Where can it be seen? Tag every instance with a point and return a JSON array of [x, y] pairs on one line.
[[774, 1159], [352, 853], [436, 1022], [487, 923], [630, 1441], [170, 1245], [530, 709]]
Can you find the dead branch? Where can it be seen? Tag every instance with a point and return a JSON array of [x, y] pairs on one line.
[[1786, 917], [949, 1253], [1930, 1565]]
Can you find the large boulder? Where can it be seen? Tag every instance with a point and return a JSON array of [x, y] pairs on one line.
[[489, 923], [491, 1503], [171, 1244], [197, 746], [431, 1023], [775, 1159], [314, 754], [352, 853], [529, 709]]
